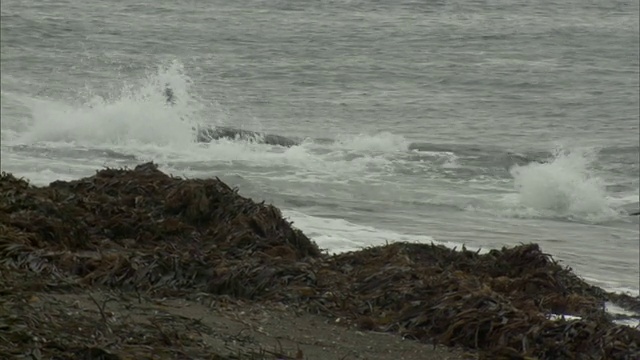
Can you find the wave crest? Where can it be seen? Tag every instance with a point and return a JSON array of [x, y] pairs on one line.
[[566, 185]]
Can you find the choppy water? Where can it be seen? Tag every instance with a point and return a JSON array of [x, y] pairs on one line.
[[436, 109]]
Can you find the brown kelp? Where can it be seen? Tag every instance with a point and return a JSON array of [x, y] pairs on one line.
[[144, 232]]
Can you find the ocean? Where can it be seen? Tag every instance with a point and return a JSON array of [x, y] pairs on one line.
[[476, 123]]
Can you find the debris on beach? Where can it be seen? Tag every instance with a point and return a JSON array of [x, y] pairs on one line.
[[145, 233]]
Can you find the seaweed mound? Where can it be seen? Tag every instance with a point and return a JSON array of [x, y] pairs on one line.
[[146, 232], [497, 303], [104, 228]]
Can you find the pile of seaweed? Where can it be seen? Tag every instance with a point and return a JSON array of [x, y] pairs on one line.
[[146, 232]]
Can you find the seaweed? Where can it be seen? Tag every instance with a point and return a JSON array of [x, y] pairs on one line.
[[150, 235]]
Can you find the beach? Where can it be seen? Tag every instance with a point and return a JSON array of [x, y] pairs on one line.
[[139, 263], [401, 173]]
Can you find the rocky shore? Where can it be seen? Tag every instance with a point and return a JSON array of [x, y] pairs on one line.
[[134, 264]]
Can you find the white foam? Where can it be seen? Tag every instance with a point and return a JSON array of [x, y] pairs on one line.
[[339, 235], [634, 321], [556, 317], [136, 120], [565, 186], [451, 162], [8, 135], [138, 114], [384, 142], [614, 309], [41, 172]]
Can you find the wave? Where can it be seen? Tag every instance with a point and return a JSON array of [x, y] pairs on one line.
[[137, 113], [137, 123], [564, 186], [140, 116]]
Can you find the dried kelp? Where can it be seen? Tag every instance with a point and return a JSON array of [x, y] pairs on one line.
[[146, 232], [432, 293]]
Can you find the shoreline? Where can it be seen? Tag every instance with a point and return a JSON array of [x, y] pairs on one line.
[[141, 232]]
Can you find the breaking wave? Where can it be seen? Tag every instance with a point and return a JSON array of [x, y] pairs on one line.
[[566, 185]]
